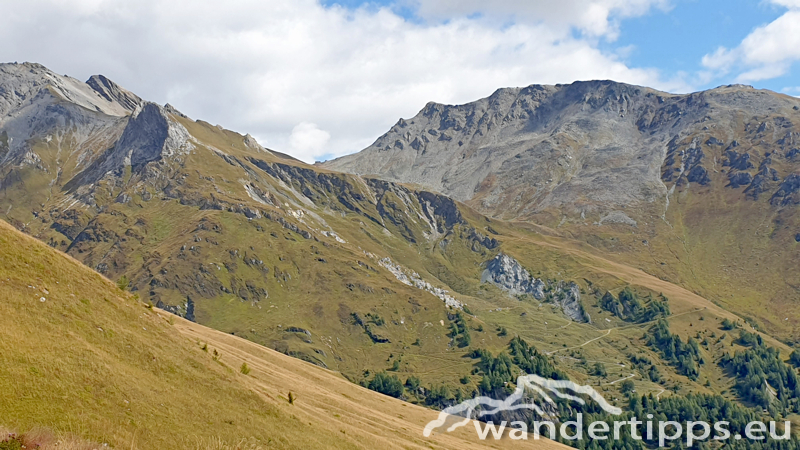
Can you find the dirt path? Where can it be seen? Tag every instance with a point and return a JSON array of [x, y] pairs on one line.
[[582, 345]]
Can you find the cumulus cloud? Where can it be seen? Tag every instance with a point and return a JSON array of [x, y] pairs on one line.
[[307, 140], [344, 75], [767, 52]]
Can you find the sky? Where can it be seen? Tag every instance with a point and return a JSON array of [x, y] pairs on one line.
[[323, 78]]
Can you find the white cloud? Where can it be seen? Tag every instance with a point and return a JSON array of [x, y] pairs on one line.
[[265, 66], [592, 17], [767, 52], [307, 140]]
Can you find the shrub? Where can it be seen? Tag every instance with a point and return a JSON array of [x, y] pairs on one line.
[[599, 370], [244, 369], [12, 442], [627, 387], [122, 283]]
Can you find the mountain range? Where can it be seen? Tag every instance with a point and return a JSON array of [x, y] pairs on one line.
[[699, 189], [565, 225]]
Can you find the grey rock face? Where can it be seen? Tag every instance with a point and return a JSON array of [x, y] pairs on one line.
[[149, 135], [19, 83], [596, 146], [113, 92], [103, 126], [788, 192], [506, 273], [568, 297]]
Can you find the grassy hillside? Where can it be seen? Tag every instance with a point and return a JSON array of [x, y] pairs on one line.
[[82, 358]]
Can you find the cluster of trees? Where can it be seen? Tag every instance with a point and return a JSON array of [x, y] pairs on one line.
[[728, 324], [501, 371], [764, 379], [751, 367], [386, 384], [497, 372], [646, 367], [532, 362], [685, 357], [459, 331], [706, 408], [439, 396], [629, 307]]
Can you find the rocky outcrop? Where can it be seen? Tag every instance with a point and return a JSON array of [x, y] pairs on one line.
[[508, 274], [567, 295], [788, 191], [150, 135], [412, 278], [20, 83]]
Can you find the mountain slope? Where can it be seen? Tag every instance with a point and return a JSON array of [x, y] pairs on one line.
[[82, 357], [700, 189]]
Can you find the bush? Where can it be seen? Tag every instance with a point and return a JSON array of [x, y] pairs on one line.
[[748, 339], [627, 387], [244, 369], [599, 370], [12, 442], [122, 283]]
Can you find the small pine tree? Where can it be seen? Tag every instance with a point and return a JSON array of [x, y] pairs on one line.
[[794, 358], [122, 283], [599, 370]]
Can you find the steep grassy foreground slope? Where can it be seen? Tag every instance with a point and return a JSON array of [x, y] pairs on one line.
[[80, 357]]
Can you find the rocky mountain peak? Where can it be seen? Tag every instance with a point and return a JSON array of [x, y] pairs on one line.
[[589, 147], [113, 92], [20, 84], [149, 135]]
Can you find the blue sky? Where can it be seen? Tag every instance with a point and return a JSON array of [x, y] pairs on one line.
[[677, 40], [324, 78]]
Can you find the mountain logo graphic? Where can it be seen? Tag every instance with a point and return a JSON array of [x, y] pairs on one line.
[[546, 388]]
